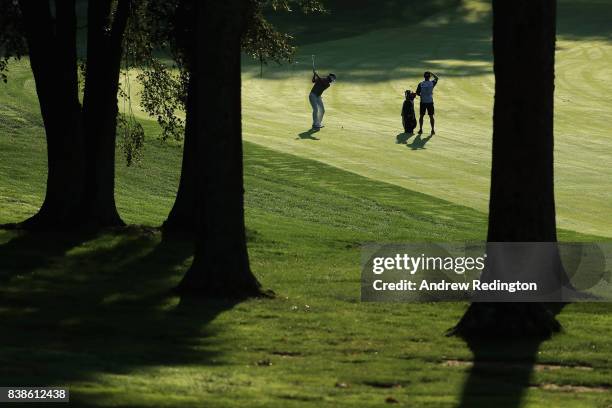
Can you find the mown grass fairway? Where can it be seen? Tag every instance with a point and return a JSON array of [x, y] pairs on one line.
[[363, 108], [93, 312]]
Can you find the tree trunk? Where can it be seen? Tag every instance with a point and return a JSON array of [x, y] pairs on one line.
[[221, 264], [80, 142], [52, 52], [522, 205], [180, 222], [104, 51]]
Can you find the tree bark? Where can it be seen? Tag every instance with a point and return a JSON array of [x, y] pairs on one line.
[[180, 222], [52, 52], [522, 204], [221, 264], [104, 51], [80, 141]]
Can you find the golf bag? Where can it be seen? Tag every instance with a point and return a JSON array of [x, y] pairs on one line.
[[408, 116]]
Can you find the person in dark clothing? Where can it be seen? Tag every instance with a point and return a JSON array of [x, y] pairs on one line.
[[316, 99], [408, 115]]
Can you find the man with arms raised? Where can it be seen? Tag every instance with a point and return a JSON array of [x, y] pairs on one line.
[[425, 91], [316, 99]]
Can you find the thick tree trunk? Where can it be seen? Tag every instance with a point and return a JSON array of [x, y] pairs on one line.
[[180, 222], [522, 205], [221, 264], [52, 51], [104, 51], [80, 142]]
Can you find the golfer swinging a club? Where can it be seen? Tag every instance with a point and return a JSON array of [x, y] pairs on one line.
[[425, 91], [315, 97]]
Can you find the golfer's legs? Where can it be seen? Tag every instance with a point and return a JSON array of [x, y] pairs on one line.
[[315, 109], [432, 121], [321, 110], [421, 114]]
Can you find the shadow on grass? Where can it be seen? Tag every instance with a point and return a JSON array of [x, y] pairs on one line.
[[104, 308], [462, 42], [348, 18], [502, 369], [309, 134], [500, 375], [402, 138], [419, 142], [27, 252], [584, 20]]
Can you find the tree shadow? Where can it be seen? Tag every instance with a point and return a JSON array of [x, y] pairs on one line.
[[502, 369], [309, 134], [348, 18], [461, 34], [105, 308], [462, 44], [27, 251], [584, 20], [500, 374], [419, 142], [402, 138]]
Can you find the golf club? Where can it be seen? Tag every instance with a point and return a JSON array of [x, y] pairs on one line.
[[313, 63]]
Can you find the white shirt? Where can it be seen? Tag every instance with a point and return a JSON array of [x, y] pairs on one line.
[[427, 88]]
